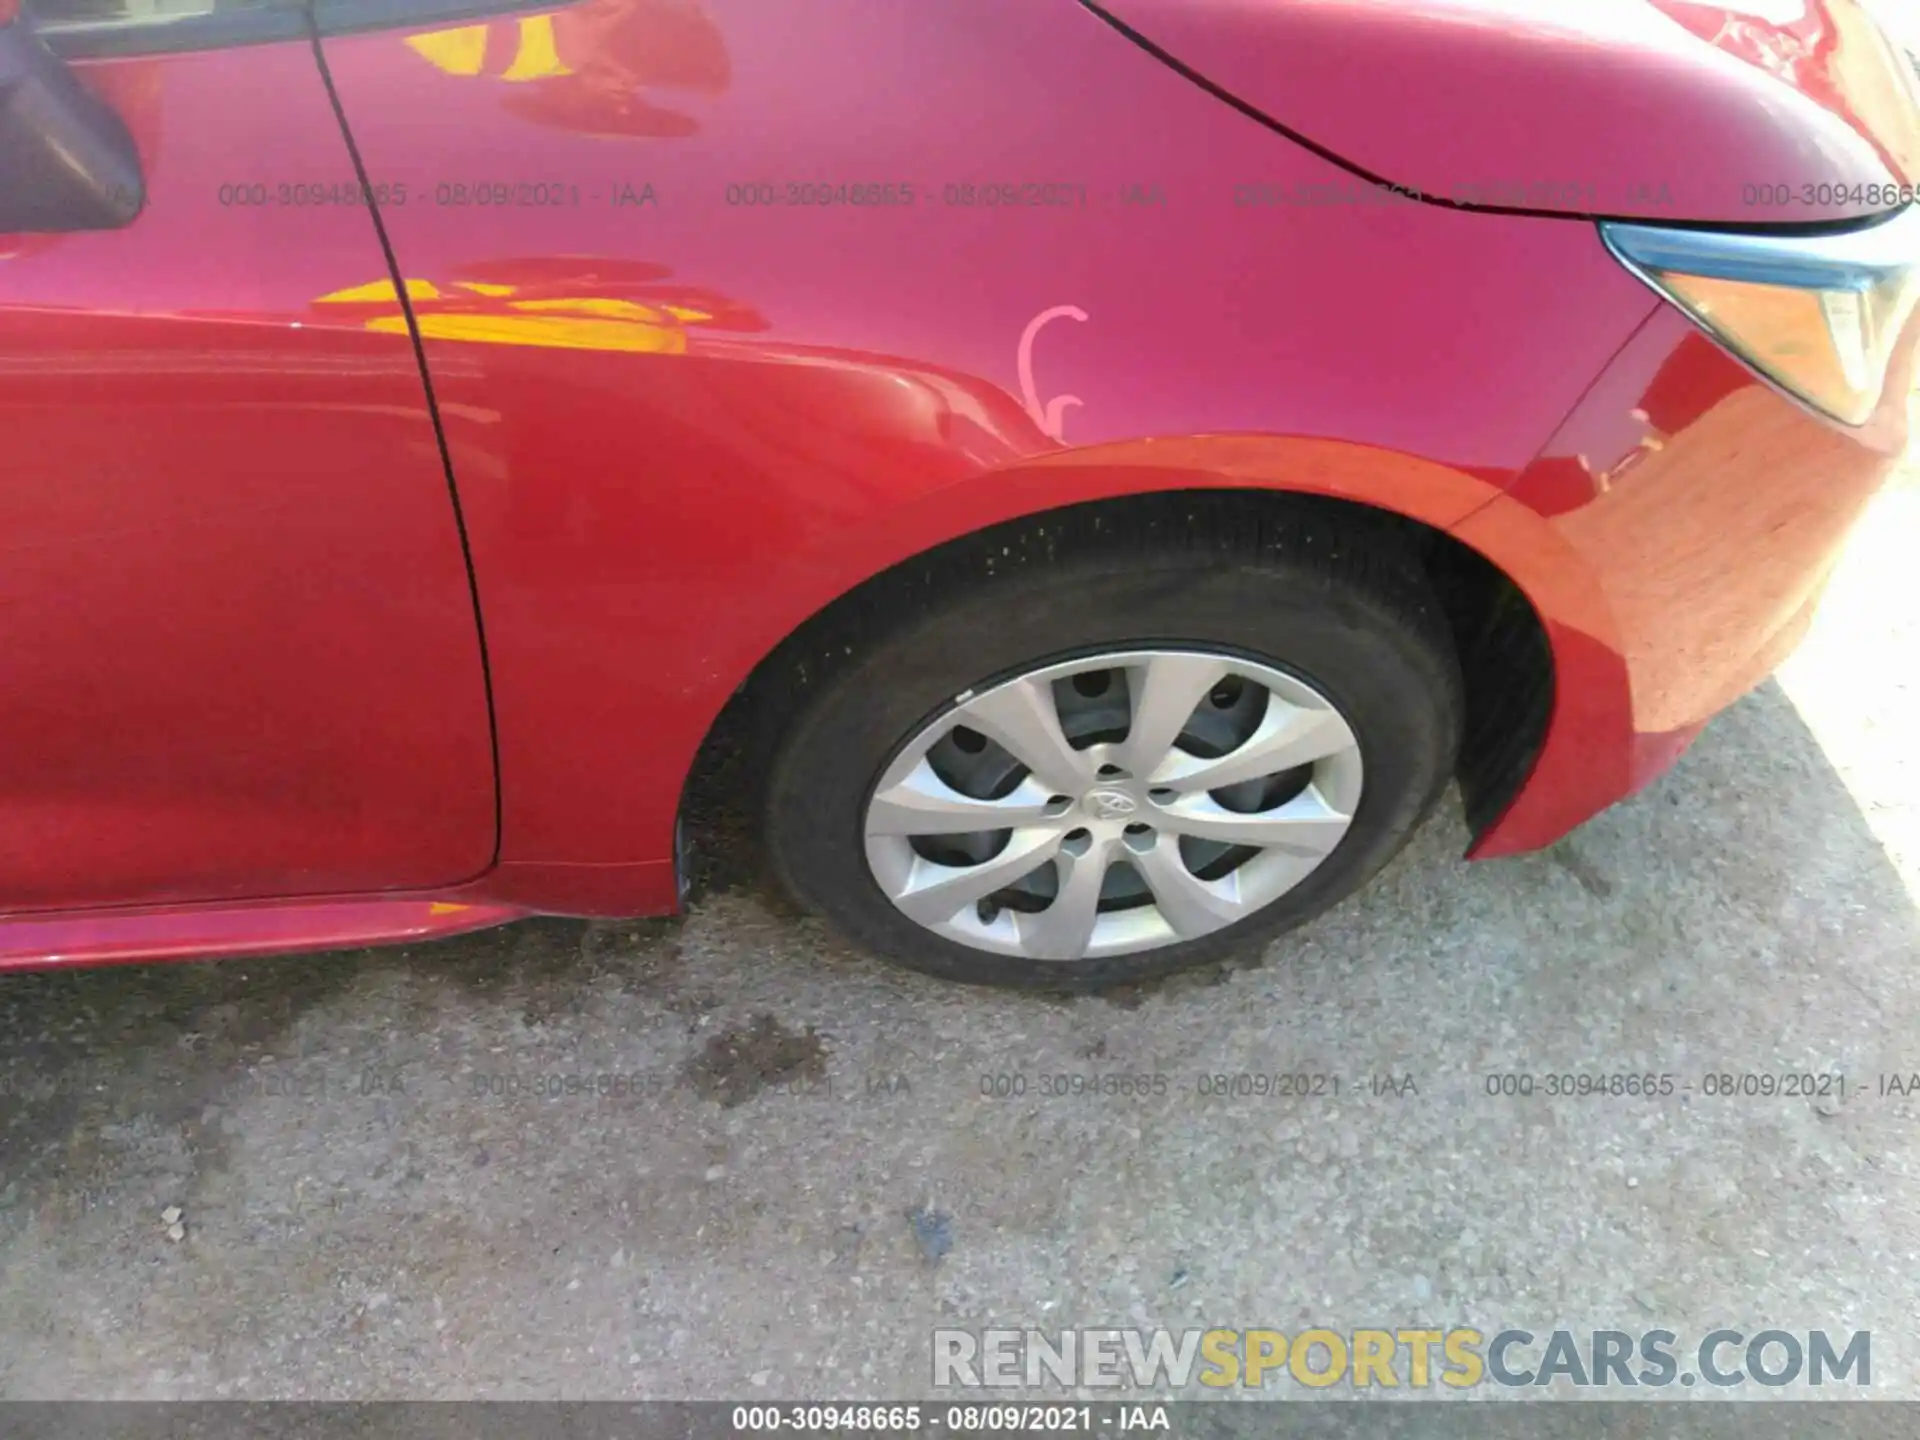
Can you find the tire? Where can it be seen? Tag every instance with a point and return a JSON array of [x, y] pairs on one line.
[[1332, 601]]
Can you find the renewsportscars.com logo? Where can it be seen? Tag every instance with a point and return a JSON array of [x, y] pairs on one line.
[[1455, 1359]]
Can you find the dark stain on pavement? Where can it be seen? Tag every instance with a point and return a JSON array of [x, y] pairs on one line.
[[735, 1065], [1583, 870]]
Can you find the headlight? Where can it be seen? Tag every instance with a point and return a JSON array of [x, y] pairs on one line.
[[1817, 314]]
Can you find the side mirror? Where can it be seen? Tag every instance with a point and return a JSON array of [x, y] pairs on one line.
[[66, 161]]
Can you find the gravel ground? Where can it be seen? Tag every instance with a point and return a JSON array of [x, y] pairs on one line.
[[374, 1200]]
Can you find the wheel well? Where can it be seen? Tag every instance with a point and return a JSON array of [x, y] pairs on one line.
[[1504, 656]]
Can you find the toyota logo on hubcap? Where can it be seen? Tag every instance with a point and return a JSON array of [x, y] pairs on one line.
[[1110, 804]]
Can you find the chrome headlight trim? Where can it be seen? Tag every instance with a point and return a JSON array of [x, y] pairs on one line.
[[1856, 259]]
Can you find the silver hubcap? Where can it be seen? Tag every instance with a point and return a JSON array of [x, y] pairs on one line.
[[1113, 804]]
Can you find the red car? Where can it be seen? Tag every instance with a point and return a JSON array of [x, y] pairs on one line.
[[1120, 458]]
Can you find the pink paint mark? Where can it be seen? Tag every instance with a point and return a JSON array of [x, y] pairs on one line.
[[1050, 416]]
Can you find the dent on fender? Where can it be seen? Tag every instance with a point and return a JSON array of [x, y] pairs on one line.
[[1670, 534]]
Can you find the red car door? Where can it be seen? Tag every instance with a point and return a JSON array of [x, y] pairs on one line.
[[239, 654]]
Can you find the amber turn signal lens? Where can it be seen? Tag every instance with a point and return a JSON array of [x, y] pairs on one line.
[[1819, 315]]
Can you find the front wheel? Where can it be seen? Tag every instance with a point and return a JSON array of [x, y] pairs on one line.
[[1119, 764]]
